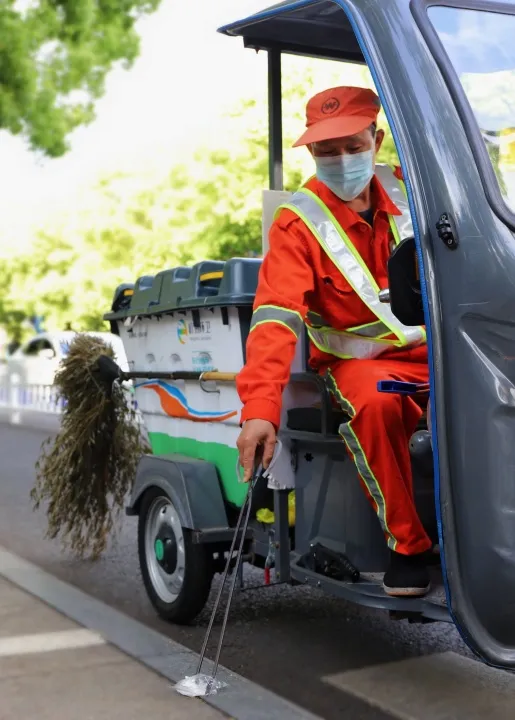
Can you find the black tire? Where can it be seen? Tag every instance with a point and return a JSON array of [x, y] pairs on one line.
[[198, 572]]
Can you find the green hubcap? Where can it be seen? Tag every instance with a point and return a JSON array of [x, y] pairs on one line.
[[159, 550]]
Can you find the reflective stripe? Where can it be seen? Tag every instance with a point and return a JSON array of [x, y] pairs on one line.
[[270, 313], [370, 330], [360, 459], [346, 345], [400, 225], [324, 226], [396, 191], [375, 330], [393, 228]]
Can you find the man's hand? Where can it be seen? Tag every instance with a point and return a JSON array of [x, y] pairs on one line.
[[256, 441]]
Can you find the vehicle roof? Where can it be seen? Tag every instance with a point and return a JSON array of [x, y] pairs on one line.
[[317, 28], [70, 334], [66, 336]]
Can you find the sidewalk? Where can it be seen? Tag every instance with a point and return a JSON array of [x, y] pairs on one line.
[[53, 669], [122, 669]]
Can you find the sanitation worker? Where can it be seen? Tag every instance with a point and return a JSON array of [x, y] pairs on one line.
[[327, 262]]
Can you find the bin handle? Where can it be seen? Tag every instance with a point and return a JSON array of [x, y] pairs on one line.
[[215, 376], [218, 376]]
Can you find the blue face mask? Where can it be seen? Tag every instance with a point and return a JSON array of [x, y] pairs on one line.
[[346, 175]]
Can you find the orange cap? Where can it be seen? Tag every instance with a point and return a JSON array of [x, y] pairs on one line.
[[339, 112]]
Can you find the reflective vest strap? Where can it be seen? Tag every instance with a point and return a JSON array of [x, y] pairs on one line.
[[312, 211], [346, 345], [396, 191], [368, 330], [282, 316], [394, 229], [371, 330], [336, 243], [318, 338], [401, 225]]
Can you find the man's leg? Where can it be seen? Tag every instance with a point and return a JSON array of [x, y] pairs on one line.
[[377, 437]]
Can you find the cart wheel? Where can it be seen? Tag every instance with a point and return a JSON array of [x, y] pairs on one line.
[[177, 573]]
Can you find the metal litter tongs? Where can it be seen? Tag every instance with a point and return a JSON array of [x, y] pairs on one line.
[[199, 685]]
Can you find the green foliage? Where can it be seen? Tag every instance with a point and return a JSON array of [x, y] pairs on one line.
[[54, 58], [210, 208]]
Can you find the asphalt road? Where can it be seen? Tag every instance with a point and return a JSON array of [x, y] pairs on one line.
[[289, 640]]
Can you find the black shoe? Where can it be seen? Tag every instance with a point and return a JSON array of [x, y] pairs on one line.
[[433, 556], [407, 576]]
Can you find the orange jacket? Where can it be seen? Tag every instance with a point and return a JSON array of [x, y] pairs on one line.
[[298, 275]]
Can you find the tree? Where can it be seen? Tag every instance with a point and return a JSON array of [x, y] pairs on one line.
[[54, 58]]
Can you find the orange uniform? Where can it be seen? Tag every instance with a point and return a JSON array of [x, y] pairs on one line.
[[298, 275]]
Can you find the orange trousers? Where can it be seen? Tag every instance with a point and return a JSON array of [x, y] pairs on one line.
[[377, 437]]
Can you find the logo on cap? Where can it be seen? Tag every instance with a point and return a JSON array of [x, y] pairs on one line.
[[330, 106]]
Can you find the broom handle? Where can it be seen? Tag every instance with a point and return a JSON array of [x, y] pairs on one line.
[[212, 375]]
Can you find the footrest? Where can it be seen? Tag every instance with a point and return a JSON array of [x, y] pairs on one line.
[[329, 563], [396, 387]]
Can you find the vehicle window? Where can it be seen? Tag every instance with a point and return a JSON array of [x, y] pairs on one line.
[[32, 348], [481, 47]]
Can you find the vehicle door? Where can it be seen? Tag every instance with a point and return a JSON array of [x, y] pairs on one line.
[[446, 74], [23, 364], [34, 363]]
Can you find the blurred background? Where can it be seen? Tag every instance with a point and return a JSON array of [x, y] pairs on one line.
[[132, 140]]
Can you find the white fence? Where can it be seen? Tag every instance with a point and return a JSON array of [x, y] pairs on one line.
[[39, 398], [37, 405]]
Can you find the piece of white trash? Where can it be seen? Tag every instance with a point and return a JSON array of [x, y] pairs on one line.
[[199, 686], [280, 473]]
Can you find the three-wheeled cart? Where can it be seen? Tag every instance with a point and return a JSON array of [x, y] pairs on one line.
[[445, 73]]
